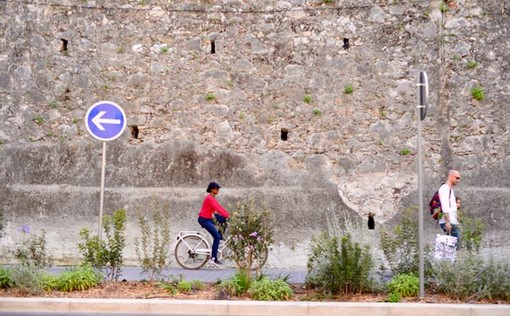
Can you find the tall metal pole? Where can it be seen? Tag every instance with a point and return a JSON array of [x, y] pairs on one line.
[[421, 111], [101, 203]]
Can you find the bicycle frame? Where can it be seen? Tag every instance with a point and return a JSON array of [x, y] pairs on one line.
[[223, 243]]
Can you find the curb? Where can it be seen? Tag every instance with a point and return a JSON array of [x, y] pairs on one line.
[[243, 308]]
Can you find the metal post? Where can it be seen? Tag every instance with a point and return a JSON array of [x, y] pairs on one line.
[[421, 111], [103, 166]]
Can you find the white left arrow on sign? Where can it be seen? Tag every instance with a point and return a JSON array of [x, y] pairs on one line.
[[98, 120]]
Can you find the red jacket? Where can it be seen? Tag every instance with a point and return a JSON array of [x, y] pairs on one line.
[[210, 206]]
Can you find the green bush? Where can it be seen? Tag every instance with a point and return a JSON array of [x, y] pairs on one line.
[[472, 233], [405, 285], [27, 279], [251, 231], [32, 251], [400, 247], [5, 278], [470, 276], [393, 298], [106, 255], [348, 89], [49, 282], [339, 266], [237, 285], [153, 246], [79, 279], [265, 289]]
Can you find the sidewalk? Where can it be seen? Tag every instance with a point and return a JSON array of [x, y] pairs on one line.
[[206, 274]]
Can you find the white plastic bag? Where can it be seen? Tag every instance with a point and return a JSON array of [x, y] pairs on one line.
[[446, 247]]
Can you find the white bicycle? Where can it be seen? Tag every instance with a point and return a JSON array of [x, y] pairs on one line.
[[192, 250]]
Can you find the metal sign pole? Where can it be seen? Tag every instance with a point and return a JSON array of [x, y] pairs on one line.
[[421, 114], [101, 202]]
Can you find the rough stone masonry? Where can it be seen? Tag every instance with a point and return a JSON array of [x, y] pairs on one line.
[[307, 107]]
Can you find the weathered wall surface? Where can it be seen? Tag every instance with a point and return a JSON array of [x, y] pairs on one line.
[[208, 86]]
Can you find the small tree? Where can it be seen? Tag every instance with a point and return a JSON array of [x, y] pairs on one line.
[[153, 246], [251, 236], [106, 255]]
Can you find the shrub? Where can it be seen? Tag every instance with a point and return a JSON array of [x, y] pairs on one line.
[[153, 247], [400, 247], [405, 285], [338, 266], [237, 285], [27, 279], [473, 277], [5, 278], [49, 282], [106, 255], [265, 289], [317, 112], [251, 233], [32, 251], [472, 233], [79, 279], [307, 99]]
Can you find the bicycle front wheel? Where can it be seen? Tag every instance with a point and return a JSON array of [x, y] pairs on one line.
[[191, 252]]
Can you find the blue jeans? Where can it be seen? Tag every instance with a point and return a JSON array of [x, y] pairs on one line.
[[455, 232], [208, 224]]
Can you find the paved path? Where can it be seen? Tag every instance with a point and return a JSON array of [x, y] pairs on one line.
[[206, 274]]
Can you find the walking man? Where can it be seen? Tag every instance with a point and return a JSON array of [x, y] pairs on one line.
[[449, 222]]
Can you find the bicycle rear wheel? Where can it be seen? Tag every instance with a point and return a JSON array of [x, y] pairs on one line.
[[191, 252]]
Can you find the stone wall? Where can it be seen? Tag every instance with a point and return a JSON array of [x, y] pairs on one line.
[[210, 88]]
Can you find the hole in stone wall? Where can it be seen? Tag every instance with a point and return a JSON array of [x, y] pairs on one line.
[[134, 131], [284, 134], [63, 48], [346, 43], [213, 47]]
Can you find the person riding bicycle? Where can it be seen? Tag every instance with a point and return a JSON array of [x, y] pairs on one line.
[[205, 218]]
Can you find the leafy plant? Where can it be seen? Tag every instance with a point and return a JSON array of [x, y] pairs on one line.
[[106, 255], [477, 93], [337, 265], [164, 49], [252, 233], [470, 276], [405, 285], [210, 96], [394, 298], [38, 119], [472, 233], [237, 285], [27, 279], [32, 251], [5, 278], [265, 289], [53, 104], [348, 89], [49, 282], [184, 286], [405, 151], [400, 247], [472, 64], [317, 112], [307, 99], [79, 279], [2, 225], [153, 246], [443, 7]]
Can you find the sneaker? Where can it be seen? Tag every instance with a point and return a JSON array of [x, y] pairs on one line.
[[215, 262]]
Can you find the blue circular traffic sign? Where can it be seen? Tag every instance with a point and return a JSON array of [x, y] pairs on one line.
[[105, 120]]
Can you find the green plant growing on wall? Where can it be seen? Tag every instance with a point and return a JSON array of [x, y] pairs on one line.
[[105, 87], [472, 233], [348, 89], [317, 112], [471, 64], [75, 120], [405, 151], [242, 116], [477, 93], [210, 96], [39, 119], [164, 49], [53, 104], [153, 245], [443, 7], [2, 224], [106, 254], [307, 99], [327, 1]]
